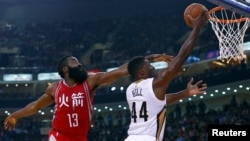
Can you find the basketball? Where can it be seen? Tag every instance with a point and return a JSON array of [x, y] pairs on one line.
[[194, 11]]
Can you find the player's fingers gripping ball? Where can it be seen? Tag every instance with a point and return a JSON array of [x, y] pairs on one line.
[[193, 11]]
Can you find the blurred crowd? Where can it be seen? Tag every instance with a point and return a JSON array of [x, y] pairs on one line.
[[35, 47], [119, 38]]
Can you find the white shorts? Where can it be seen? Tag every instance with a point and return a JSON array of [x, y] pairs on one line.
[[141, 138]]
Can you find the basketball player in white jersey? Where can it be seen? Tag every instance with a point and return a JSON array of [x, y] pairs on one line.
[[146, 95]]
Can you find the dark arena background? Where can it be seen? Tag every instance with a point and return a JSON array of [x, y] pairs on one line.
[[104, 35]]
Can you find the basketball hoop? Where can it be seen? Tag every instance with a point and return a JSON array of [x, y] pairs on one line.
[[230, 28]]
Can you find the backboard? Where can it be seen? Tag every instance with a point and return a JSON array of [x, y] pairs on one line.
[[239, 6]]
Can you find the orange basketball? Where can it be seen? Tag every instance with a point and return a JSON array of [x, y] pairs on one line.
[[194, 11]]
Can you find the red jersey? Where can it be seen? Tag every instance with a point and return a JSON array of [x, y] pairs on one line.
[[73, 110]]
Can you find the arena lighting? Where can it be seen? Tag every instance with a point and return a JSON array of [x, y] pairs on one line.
[[246, 46], [219, 63], [17, 77], [7, 112], [121, 88], [157, 66], [113, 88], [110, 109], [222, 91], [106, 107], [213, 92], [48, 76]]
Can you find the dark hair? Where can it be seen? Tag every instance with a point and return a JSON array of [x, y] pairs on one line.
[[134, 65], [62, 63]]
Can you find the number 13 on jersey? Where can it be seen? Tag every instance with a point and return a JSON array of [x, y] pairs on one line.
[[73, 119]]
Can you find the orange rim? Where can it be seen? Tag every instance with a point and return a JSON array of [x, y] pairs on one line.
[[219, 8]]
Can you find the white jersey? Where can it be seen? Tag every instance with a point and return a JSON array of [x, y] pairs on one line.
[[148, 113]]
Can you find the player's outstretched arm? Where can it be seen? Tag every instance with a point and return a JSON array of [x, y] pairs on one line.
[[106, 78], [166, 75], [187, 47], [192, 89]]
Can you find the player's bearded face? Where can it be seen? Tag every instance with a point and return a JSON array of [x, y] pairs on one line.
[[79, 74]]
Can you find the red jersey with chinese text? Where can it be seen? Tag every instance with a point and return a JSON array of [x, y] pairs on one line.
[[73, 109]]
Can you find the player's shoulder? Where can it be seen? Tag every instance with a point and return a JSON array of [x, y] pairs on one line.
[[94, 78], [51, 88], [53, 85]]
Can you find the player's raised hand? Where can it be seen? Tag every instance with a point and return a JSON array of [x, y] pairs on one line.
[[197, 88], [202, 19]]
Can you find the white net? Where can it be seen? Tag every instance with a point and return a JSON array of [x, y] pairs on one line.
[[230, 29]]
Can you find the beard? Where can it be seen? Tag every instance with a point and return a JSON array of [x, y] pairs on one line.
[[78, 74]]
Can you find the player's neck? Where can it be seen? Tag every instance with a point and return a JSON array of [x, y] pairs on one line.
[[69, 82]]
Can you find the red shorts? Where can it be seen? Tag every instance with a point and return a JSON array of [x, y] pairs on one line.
[[55, 135]]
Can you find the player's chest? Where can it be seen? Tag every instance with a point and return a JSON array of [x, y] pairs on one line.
[[71, 98]]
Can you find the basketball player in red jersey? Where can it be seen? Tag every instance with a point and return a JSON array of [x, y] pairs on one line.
[[73, 96]]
